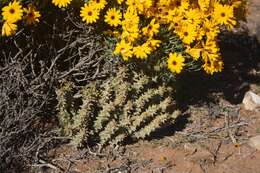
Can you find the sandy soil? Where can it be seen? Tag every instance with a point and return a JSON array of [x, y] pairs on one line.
[[211, 146]]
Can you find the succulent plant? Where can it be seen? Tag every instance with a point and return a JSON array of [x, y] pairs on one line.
[[126, 105]]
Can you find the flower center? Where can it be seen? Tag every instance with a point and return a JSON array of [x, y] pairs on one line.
[[31, 15], [12, 11], [207, 63], [90, 13], [223, 14], [174, 62], [112, 17], [185, 34], [166, 13], [122, 50]]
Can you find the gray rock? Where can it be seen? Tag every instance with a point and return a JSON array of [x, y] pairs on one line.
[[254, 142], [251, 101]]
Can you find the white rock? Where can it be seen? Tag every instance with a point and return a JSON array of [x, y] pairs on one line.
[[255, 142], [251, 101]]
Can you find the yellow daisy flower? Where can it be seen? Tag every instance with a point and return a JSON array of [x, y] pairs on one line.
[[146, 4], [113, 17], [142, 51], [223, 15], [204, 4], [187, 33], [211, 46], [130, 36], [175, 62], [165, 15], [8, 29], [151, 29], [218, 65], [32, 16], [124, 49], [89, 14], [210, 51], [193, 16], [208, 68], [210, 29], [214, 66], [185, 4], [12, 12], [99, 4], [140, 5], [135, 4], [61, 3], [176, 22], [209, 56], [131, 21], [194, 52], [130, 25], [153, 44]]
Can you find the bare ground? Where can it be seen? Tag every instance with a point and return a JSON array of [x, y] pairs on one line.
[[214, 145]]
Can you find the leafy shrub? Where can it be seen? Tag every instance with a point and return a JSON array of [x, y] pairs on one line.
[[127, 105]]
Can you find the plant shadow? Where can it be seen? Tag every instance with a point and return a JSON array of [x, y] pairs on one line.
[[241, 55]]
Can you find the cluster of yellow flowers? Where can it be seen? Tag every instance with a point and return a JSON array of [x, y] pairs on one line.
[[13, 13], [196, 22]]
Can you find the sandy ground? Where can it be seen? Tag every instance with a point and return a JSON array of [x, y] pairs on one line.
[[218, 145]]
